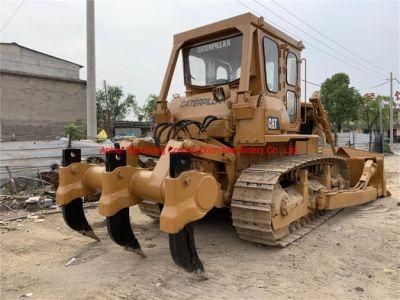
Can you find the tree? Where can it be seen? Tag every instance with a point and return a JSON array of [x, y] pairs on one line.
[[119, 104], [149, 108], [340, 100], [385, 100], [369, 115]]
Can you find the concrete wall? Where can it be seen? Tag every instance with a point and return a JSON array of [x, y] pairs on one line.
[[33, 107], [16, 58]]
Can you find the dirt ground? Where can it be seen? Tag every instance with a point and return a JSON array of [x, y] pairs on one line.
[[353, 255]]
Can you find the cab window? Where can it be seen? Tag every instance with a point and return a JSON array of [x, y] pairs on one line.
[[222, 73], [291, 66], [271, 58], [291, 105], [214, 62], [197, 69]]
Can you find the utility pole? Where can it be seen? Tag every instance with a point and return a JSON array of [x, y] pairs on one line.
[[391, 112], [91, 117], [381, 124], [108, 129]]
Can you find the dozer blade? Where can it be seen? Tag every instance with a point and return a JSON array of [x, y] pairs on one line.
[[183, 250], [120, 230], [75, 218]]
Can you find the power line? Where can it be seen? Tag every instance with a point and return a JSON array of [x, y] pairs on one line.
[[12, 16], [311, 36], [312, 83], [328, 38], [312, 45], [375, 86]]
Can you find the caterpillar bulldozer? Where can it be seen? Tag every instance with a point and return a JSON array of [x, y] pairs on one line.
[[240, 137]]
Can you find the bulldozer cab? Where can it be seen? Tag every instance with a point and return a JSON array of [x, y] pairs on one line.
[[231, 68]]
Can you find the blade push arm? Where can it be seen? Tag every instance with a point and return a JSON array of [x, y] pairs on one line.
[[322, 119]]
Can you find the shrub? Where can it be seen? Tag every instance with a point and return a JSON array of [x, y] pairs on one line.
[[75, 131], [386, 146]]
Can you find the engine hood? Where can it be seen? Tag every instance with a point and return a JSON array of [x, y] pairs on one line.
[[197, 107]]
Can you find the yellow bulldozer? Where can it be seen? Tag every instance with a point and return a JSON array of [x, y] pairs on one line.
[[239, 138]]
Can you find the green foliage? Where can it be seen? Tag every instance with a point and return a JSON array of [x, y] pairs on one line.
[[341, 101], [385, 100], [145, 112], [75, 131], [369, 115], [119, 104], [369, 112], [386, 146]]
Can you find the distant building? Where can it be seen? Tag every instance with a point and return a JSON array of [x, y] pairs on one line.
[[39, 94], [132, 128], [396, 125]]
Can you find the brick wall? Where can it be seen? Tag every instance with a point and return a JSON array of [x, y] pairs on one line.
[[35, 107]]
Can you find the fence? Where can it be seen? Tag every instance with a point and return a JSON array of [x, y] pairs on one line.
[[27, 158], [359, 141]]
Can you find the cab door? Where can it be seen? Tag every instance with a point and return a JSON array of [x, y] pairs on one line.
[[290, 81]]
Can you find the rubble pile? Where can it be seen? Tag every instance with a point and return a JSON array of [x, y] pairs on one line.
[[28, 194]]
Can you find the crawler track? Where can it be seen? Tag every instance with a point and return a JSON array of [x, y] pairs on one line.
[[252, 206]]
